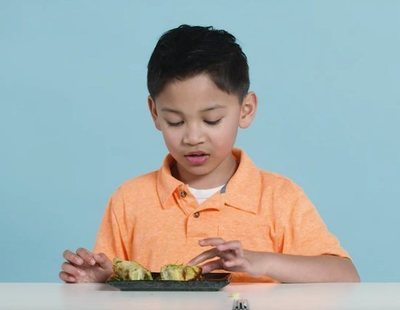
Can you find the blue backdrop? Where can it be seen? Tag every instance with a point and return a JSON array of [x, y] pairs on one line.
[[74, 122]]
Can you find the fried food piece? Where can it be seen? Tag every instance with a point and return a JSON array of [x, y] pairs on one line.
[[180, 272], [130, 270]]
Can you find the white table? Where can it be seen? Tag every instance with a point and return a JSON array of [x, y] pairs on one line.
[[56, 296]]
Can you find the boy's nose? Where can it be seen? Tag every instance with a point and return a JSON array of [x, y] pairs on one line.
[[193, 136]]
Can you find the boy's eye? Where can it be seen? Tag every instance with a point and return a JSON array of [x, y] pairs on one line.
[[175, 124], [212, 122]]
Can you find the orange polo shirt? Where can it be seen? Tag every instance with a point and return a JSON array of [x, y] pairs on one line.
[[155, 220]]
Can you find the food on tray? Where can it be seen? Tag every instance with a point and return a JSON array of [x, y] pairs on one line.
[[130, 270], [180, 272], [125, 270]]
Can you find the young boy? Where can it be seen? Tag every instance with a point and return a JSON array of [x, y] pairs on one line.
[[208, 204]]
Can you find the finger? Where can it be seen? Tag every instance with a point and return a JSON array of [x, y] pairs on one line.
[[72, 270], [103, 261], [211, 241], [223, 245], [202, 257], [72, 258], [234, 246], [86, 255], [227, 255], [66, 277], [212, 265], [233, 263]]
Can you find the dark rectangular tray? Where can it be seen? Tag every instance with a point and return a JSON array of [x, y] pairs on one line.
[[209, 282]]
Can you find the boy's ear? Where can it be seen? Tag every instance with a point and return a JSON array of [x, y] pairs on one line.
[[248, 110], [153, 112]]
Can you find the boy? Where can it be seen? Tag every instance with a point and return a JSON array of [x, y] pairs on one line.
[[208, 204]]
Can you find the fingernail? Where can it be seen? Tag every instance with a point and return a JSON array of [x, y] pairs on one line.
[[92, 262]]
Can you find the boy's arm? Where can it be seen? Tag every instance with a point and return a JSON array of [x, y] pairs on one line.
[[297, 268], [282, 267]]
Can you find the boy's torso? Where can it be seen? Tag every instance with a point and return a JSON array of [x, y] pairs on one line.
[[161, 222]]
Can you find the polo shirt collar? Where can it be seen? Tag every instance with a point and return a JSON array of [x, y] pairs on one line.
[[167, 184], [243, 190]]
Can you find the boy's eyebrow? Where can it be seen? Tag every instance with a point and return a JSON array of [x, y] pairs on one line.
[[170, 110], [214, 107]]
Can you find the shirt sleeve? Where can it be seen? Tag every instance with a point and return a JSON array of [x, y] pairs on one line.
[[111, 237], [303, 230]]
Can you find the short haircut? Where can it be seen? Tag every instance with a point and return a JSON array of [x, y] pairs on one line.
[[186, 51]]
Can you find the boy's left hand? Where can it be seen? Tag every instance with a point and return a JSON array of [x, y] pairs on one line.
[[229, 256]]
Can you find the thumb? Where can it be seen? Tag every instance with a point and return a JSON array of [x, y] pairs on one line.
[[103, 261]]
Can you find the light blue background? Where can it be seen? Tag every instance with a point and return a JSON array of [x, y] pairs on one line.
[[74, 122]]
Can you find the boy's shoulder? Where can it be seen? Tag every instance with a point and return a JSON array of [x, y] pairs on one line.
[[276, 178], [146, 179], [279, 182], [139, 183], [251, 174]]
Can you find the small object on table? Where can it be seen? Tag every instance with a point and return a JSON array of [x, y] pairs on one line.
[[240, 304]]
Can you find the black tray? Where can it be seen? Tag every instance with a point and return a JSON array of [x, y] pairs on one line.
[[209, 282]]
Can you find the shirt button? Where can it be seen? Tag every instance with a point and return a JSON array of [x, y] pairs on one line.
[[183, 194], [196, 214]]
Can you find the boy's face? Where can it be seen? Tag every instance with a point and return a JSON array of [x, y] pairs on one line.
[[199, 123]]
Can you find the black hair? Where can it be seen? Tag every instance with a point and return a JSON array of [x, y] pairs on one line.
[[186, 51]]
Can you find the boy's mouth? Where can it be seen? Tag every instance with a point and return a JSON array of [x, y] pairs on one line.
[[197, 158]]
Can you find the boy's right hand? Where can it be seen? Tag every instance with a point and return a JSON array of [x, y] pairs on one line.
[[85, 266]]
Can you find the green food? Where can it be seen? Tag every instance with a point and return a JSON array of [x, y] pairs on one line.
[[129, 270], [125, 270], [180, 272]]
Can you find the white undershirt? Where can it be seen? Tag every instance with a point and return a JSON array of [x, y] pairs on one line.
[[202, 195]]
